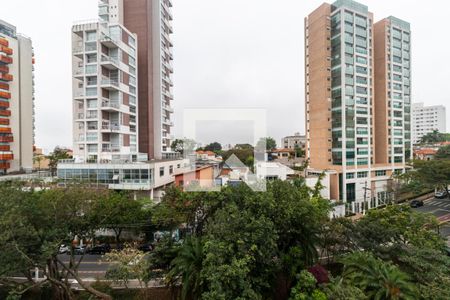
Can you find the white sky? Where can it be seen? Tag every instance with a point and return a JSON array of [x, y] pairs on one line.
[[228, 53]]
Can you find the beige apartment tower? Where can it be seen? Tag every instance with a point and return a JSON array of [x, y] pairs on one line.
[[349, 129], [16, 101]]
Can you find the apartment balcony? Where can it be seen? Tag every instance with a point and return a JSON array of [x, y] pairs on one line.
[[109, 62], [110, 127], [5, 59], [6, 139], [79, 73], [4, 166], [4, 104], [4, 86], [5, 148], [5, 130], [4, 69], [5, 113], [4, 121], [5, 95], [6, 77], [6, 50], [167, 107], [167, 122], [109, 105], [109, 42], [4, 42], [111, 84], [78, 95], [167, 94], [6, 156]]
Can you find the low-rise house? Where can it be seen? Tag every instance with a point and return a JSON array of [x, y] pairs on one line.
[[272, 171], [202, 176], [425, 153]]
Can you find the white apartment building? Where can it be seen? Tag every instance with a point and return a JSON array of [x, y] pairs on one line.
[[105, 104], [294, 141], [426, 119], [16, 100]]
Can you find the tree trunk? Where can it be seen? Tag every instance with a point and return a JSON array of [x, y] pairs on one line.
[[117, 232], [87, 287], [59, 289]]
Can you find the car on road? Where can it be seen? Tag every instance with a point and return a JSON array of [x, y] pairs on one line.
[[416, 203], [99, 249], [440, 195], [63, 249], [78, 250], [146, 247]]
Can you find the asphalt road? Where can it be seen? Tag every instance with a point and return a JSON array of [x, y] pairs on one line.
[[441, 209], [91, 266]]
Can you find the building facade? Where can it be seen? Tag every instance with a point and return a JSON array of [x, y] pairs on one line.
[[151, 20], [427, 119], [294, 141], [105, 104], [341, 103], [16, 101], [392, 106]]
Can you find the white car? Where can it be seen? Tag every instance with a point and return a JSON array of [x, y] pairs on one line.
[[63, 249]]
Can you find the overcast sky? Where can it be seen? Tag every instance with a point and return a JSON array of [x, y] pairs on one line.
[[228, 53]]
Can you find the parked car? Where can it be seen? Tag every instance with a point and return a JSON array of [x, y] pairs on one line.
[[78, 250], [416, 203], [99, 249], [63, 249], [440, 194], [146, 247]]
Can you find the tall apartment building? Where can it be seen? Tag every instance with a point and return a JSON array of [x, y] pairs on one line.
[[427, 119], [342, 108], [105, 105], [16, 101], [151, 21], [392, 106]]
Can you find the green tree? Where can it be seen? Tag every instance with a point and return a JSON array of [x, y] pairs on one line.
[[443, 153], [435, 137], [118, 212], [32, 227], [267, 143], [299, 152], [433, 173], [57, 154], [183, 145], [127, 264], [214, 147], [187, 266], [378, 279], [402, 228], [306, 288]]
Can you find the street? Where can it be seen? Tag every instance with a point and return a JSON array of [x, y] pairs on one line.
[[91, 266], [440, 208]]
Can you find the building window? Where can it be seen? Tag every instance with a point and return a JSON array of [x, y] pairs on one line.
[[350, 175], [161, 171], [363, 174], [171, 170], [380, 173]]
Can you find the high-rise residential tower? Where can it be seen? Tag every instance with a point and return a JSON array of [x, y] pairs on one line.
[[341, 102], [151, 21], [427, 119], [392, 106], [105, 106], [16, 101]]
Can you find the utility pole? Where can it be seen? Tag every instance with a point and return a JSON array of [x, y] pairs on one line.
[[365, 196]]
